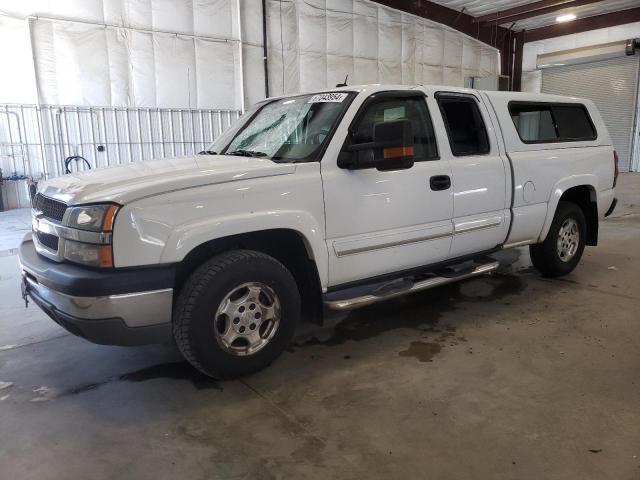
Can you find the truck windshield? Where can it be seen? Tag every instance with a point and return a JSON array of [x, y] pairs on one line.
[[293, 129]]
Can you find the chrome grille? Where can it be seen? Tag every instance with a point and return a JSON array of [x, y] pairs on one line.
[[49, 207], [48, 240]]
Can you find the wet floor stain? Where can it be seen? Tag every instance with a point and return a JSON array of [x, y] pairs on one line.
[[423, 351], [170, 371], [419, 311]]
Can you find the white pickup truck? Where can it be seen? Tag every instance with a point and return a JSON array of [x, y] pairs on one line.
[[337, 199]]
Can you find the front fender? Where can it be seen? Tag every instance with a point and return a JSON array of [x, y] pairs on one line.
[[558, 190], [165, 228], [190, 235]]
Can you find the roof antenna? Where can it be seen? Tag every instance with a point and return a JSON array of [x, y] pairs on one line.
[[344, 84]]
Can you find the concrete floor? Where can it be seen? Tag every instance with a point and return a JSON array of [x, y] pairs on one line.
[[504, 377], [13, 226]]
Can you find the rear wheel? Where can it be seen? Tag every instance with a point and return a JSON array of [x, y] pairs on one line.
[[561, 251], [236, 313]]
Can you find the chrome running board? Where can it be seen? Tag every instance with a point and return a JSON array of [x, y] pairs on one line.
[[401, 287]]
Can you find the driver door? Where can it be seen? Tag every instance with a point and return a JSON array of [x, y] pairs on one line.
[[380, 222]]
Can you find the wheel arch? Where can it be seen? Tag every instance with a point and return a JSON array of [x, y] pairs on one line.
[[583, 193], [288, 246]]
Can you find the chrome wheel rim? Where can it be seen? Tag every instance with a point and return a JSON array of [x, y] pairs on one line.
[[568, 239], [247, 318]]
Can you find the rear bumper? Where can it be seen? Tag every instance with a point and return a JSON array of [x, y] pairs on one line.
[[605, 200], [612, 207], [117, 307]]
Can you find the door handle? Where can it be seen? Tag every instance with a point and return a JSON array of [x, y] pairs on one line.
[[440, 182]]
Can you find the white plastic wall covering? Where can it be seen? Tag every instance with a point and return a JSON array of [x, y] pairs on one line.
[[252, 54], [240, 64], [17, 82], [100, 63], [369, 42], [182, 53], [283, 52], [185, 33]]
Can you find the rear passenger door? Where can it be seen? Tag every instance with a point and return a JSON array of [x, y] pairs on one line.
[[479, 174]]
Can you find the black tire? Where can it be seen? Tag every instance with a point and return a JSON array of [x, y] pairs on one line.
[[546, 257], [194, 314]]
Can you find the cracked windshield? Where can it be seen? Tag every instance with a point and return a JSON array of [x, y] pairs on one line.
[[290, 129]]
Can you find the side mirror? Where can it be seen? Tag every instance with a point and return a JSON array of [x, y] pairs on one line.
[[393, 145], [391, 148]]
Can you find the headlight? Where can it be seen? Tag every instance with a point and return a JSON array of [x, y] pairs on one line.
[[91, 248], [95, 218], [88, 253]]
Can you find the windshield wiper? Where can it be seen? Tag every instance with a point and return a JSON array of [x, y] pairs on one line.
[[207, 152], [246, 153]]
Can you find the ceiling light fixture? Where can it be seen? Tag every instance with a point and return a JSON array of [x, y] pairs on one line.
[[566, 18]]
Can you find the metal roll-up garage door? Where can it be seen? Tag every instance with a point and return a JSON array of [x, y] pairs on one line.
[[612, 85]]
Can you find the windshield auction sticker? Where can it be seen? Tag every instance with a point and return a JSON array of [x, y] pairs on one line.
[[328, 97]]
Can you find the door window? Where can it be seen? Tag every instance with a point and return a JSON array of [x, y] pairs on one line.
[[413, 109], [465, 126]]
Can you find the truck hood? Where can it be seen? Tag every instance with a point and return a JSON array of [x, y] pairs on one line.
[[126, 183]]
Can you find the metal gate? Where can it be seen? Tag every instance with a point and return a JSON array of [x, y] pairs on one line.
[[13, 151], [36, 140]]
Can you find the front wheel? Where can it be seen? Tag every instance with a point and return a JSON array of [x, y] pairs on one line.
[[236, 313], [561, 251]]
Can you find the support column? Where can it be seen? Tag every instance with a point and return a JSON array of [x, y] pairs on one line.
[[506, 55], [516, 83]]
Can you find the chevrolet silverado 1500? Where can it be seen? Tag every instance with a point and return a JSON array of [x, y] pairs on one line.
[[333, 199]]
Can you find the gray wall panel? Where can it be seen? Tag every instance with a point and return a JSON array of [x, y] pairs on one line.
[[612, 85]]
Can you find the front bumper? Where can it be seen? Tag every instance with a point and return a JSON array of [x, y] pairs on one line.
[[110, 307]]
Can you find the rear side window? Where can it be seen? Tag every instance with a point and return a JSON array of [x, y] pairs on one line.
[[464, 123], [551, 122], [534, 123], [573, 123]]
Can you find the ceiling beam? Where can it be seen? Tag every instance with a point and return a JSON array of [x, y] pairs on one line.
[[463, 22], [530, 10], [583, 25]]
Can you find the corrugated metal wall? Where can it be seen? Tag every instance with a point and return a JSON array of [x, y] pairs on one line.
[[612, 85]]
